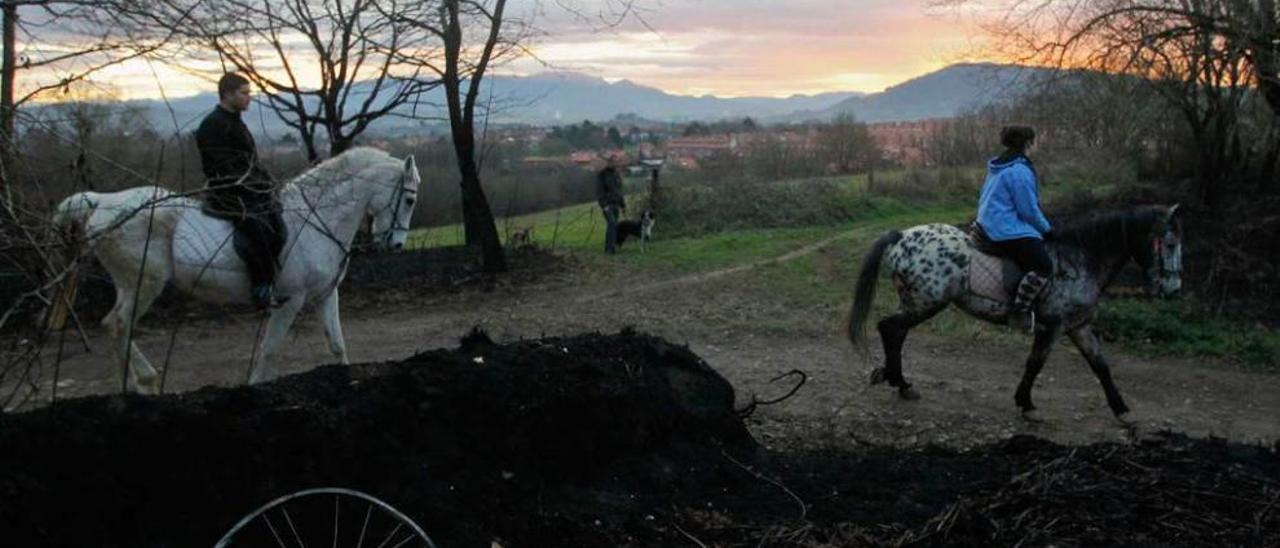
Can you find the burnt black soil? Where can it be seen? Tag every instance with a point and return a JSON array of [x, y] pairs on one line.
[[593, 440]]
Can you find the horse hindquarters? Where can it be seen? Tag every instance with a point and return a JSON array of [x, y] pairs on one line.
[[927, 264], [205, 262], [890, 334], [137, 256]]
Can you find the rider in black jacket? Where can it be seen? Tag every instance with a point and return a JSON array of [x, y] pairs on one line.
[[238, 188]]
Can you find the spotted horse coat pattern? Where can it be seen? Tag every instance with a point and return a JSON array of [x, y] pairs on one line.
[[929, 265]]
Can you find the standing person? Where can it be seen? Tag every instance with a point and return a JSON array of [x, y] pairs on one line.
[[609, 196], [239, 189], [1009, 215]]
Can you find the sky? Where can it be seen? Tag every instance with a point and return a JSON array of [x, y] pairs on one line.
[[727, 48], [776, 48]]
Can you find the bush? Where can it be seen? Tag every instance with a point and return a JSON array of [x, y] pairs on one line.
[[928, 186], [1182, 328]]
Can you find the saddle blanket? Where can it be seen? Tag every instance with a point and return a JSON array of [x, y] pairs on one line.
[[993, 277], [203, 241]]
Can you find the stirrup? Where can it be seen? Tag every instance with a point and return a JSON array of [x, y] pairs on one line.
[[1022, 319], [262, 296]]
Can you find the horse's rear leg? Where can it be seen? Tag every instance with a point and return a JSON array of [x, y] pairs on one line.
[[1087, 342], [135, 369], [893, 334]]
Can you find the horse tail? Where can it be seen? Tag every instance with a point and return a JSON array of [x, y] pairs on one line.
[[866, 288]]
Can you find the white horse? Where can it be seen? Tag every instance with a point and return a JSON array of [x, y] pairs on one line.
[[148, 236]]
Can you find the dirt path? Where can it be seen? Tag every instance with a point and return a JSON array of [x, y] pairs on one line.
[[967, 386]]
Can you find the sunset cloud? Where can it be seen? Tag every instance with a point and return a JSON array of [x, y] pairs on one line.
[[758, 47], [720, 47]]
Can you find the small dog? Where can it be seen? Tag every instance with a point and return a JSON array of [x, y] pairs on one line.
[[522, 237], [641, 229]]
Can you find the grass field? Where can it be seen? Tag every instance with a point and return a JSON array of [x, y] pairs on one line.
[[820, 283]]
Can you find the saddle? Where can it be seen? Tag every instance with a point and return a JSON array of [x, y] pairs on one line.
[[239, 240], [991, 275], [206, 237]]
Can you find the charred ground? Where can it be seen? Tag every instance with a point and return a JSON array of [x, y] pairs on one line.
[[592, 440]]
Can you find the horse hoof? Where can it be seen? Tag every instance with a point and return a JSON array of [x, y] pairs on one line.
[[1032, 416], [877, 376], [1126, 418], [908, 394]]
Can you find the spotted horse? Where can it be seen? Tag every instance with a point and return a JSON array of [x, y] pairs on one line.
[[929, 265]]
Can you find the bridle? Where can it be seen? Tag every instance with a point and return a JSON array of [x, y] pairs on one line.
[[397, 201], [1164, 262]]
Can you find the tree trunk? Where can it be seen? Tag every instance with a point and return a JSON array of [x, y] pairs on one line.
[[477, 217], [1270, 158], [1266, 62], [1211, 174], [6, 94], [309, 143], [655, 191], [338, 145]]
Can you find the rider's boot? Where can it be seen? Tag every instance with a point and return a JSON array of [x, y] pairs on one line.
[[1023, 315], [261, 294]]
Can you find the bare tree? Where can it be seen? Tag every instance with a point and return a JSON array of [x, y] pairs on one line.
[[53, 44], [1207, 58], [846, 144], [477, 215], [323, 65]]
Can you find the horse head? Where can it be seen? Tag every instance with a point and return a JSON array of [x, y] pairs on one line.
[[393, 209], [1160, 254]]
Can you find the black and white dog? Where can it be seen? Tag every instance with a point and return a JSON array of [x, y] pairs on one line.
[[641, 229]]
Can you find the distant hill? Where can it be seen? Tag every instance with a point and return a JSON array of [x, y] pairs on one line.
[[939, 94], [542, 99], [557, 98]]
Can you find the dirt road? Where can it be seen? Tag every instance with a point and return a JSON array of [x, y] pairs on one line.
[[750, 337]]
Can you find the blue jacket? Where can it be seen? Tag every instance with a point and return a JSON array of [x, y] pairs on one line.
[[1009, 207]]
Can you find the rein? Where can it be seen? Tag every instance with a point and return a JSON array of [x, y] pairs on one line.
[[395, 213]]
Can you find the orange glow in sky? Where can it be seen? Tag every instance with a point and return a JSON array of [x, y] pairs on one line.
[[728, 48]]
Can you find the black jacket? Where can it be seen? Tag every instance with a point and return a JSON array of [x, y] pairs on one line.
[[228, 153], [609, 188]]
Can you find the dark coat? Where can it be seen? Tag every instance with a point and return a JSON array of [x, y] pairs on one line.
[[609, 188], [229, 155]]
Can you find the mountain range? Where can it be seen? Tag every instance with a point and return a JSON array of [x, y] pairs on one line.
[[560, 98]]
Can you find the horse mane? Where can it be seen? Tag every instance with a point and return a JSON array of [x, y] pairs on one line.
[[348, 162], [1110, 231]]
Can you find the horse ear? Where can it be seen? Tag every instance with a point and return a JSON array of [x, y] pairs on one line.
[[411, 164], [1173, 210]]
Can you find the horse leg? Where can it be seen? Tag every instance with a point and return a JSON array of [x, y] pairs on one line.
[[333, 327], [893, 334], [1087, 342], [277, 327], [130, 306], [1035, 362]]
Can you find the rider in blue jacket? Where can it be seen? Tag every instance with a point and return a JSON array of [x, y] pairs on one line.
[[1009, 214]]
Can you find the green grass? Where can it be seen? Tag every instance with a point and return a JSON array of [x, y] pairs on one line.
[[573, 227], [821, 284], [1181, 328], [815, 290]]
